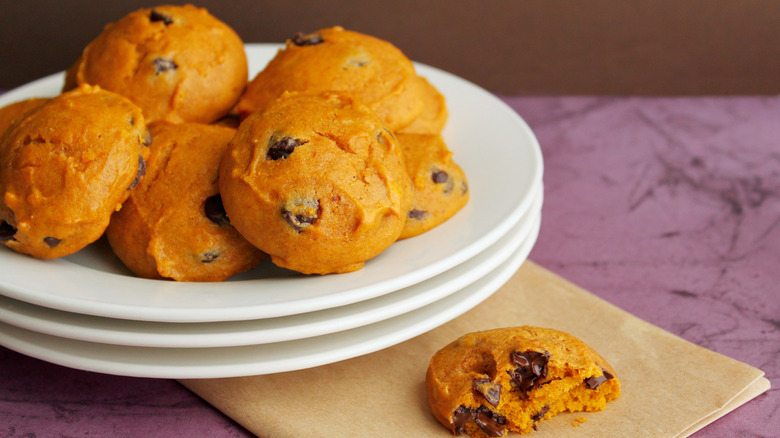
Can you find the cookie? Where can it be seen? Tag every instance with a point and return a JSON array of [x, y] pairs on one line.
[[173, 225], [17, 110], [317, 182], [509, 379], [66, 167], [368, 68], [440, 185], [178, 63], [434, 113]]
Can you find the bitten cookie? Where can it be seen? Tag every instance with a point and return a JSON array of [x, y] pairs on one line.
[[317, 182], [15, 111], [173, 225], [370, 69], [486, 383], [65, 167], [440, 186], [178, 63]]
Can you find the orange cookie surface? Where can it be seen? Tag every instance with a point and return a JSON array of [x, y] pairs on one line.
[[440, 185], [173, 225], [368, 68], [178, 63], [65, 168], [317, 182]]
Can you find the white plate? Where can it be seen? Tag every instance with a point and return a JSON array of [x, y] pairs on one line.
[[197, 363], [261, 331], [495, 147]]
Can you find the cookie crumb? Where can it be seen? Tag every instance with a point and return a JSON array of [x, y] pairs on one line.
[[578, 421]]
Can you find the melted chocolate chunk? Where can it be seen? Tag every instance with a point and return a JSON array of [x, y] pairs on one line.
[[209, 256], [416, 214], [596, 381], [282, 147], [52, 241], [490, 422], [539, 415], [464, 188], [439, 176], [490, 390], [147, 138], [163, 64], [215, 211], [460, 417], [531, 368], [7, 232], [301, 214], [302, 39], [141, 172], [155, 15]]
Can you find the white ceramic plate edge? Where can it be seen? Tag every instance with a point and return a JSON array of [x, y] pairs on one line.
[[252, 332], [182, 363]]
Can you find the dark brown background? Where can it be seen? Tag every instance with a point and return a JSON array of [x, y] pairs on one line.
[[507, 46]]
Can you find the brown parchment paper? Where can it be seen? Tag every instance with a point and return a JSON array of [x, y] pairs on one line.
[[670, 387]]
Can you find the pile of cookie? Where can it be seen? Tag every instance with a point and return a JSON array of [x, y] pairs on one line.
[[194, 173]]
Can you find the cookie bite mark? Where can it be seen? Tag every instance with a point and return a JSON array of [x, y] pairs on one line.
[[311, 39], [279, 148], [301, 213]]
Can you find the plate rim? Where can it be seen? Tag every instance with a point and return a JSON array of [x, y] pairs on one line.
[[144, 334], [177, 370]]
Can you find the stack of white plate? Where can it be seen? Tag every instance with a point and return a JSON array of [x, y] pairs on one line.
[[87, 311]]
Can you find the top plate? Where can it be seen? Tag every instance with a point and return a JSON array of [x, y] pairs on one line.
[[495, 147]]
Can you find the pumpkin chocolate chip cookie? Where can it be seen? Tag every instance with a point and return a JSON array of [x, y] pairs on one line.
[[317, 182], [509, 379], [65, 167], [178, 63]]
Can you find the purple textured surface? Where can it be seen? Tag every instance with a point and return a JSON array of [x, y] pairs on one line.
[[667, 207]]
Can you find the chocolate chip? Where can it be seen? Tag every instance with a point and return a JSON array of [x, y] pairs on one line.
[[146, 140], [163, 64], [301, 214], [439, 176], [209, 256], [531, 368], [311, 39], [215, 211], [596, 381], [7, 232], [282, 147], [464, 187], [539, 415], [141, 172], [490, 390], [460, 417], [490, 422], [155, 15], [52, 241], [416, 214]]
